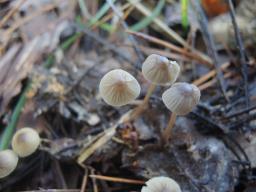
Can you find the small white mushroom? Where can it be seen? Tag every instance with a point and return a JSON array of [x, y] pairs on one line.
[[161, 184], [8, 162], [25, 142], [181, 98], [118, 88], [159, 70]]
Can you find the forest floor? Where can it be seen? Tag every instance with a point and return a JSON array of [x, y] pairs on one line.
[[53, 54]]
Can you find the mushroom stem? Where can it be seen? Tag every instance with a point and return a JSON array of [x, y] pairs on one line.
[[166, 134], [151, 89], [144, 105]]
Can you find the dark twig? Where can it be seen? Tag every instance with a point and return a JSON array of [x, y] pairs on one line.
[[239, 42], [240, 112], [240, 122], [210, 44]]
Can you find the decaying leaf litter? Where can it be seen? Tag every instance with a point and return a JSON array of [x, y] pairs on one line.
[[53, 55]]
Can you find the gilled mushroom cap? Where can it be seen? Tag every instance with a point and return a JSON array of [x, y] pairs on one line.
[[159, 70], [181, 98], [8, 162], [25, 142], [119, 87], [161, 184]]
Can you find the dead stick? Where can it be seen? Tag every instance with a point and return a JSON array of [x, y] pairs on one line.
[[244, 69], [209, 75], [210, 44], [118, 179], [11, 12], [172, 47]]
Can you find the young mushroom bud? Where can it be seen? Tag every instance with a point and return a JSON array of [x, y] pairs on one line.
[[158, 70], [25, 142], [8, 162], [118, 88], [161, 184], [181, 98]]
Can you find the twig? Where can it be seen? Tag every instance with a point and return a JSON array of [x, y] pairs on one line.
[[210, 45], [246, 110], [239, 41], [94, 182], [108, 16], [213, 81], [206, 61], [160, 23], [11, 12], [209, 75], [118, 179]]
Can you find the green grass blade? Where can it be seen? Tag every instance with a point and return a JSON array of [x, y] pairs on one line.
[[147, 20], [8, 131], [184, 14], [104, 8]]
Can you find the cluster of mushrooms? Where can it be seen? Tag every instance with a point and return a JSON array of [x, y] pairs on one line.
[[24, 142], [118, 88]]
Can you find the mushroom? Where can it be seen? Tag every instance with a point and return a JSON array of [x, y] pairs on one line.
[[161, 184], [180, 99], [118, 88], [158, 70], [8, 162], [25, 142]]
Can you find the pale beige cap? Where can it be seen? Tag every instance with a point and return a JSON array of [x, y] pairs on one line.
[[161, 184], [8, 162], [25, 142], [118, 88], [181, 98], [159, 70]]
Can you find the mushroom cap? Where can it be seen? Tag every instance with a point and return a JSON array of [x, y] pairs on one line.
[[118, 87], [161, 184], [159, 70], [181, 98], [25, 142], [8, 162]]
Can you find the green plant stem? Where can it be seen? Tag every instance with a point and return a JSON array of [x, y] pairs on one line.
[[6, 137], [147, 20], [184, 14]]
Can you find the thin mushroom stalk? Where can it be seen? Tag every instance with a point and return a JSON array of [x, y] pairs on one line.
[[180, 99], [158, 70], [166, 134]]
